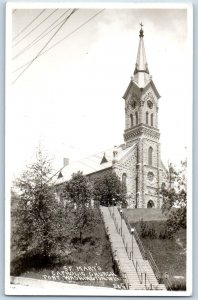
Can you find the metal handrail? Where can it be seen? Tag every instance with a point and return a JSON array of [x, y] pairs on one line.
[[139, 272], [139, 242], [136, 265], [145, 282], [154, 266], [146, 255], [149, 257]]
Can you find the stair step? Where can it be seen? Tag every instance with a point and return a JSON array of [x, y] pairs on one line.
[[118, 245]]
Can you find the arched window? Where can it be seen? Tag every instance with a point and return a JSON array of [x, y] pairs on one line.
[[124, 186], [136, 117], [150, 156], [151, 119], [150, 204], [131, 119], [147, 117]]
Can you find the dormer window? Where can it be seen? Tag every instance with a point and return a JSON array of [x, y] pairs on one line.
[[104, 160]]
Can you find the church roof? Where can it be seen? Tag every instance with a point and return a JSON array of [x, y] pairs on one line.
[[91, 164]]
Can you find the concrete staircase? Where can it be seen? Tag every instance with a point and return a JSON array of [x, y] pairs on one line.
[[134, 269]]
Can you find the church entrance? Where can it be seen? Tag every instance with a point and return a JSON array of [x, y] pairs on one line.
[[150, 204]]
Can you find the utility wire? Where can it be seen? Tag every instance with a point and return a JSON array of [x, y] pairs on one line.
[[69, 34], [33, 29], [41, 36], [28, 25], [39, 53]]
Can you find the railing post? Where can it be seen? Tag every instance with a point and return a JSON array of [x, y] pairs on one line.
[[121, 220], [145, 279], [141, 278]]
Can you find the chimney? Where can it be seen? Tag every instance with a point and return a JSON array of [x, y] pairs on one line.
[[65, 162]]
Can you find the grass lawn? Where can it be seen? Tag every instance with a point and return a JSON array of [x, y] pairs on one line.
[[169, 254], [135, 215], [95, 251]]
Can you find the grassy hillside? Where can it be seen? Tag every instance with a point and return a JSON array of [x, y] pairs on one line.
[[94, 250], [135, 215], [170, 257], [169, 254]]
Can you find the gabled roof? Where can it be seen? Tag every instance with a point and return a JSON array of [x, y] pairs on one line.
[[92, 164], [154, 88]]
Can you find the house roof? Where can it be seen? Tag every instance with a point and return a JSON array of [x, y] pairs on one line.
[[92, 164]]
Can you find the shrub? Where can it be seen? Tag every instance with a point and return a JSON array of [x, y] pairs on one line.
[[146, 231], [143, 229], [151, 233]]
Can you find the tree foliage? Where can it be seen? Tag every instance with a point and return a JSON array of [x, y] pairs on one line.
[[108, 190], [78, 191], [38, 219], [175, 199]]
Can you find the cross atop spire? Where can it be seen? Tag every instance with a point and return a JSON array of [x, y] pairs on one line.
[[141, 30]]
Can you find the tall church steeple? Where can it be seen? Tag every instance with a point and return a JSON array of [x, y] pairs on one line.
[[141, 73], [141, 129], [141, 99]]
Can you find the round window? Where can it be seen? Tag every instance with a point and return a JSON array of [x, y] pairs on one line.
[[150, 176]]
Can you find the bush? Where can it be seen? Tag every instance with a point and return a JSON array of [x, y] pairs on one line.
[[151, 233], [178, 286], [143, 229], [166, 234], [146, 231]]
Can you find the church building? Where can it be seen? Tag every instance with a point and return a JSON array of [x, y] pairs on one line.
[[137, 161]]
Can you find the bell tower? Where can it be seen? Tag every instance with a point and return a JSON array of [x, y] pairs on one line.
[[141, 129]]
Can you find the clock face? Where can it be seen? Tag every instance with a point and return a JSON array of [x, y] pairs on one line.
[[150, 104], [134, 104]]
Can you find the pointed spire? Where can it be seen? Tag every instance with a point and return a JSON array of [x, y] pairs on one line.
[[141, 73]]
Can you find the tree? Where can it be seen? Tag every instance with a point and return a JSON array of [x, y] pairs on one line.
[[78, 190], [108, 190], [38, 219], [175, 199]]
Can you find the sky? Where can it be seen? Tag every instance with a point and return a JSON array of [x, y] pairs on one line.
[[69, 100]]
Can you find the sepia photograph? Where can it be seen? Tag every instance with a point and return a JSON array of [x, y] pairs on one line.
[[98, 149]]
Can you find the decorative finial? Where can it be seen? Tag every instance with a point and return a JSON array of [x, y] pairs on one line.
[[141, 30]]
